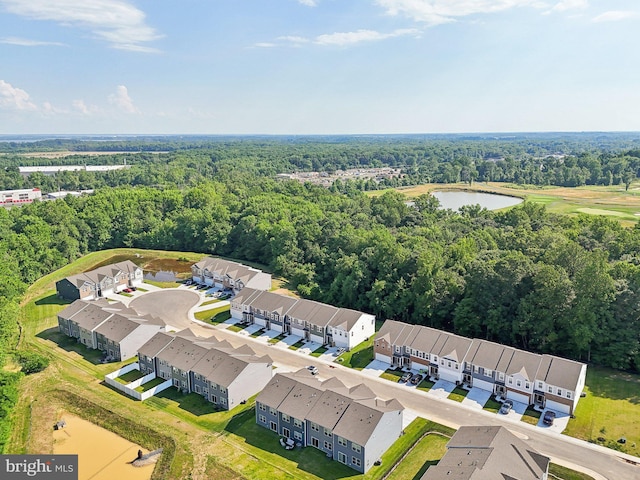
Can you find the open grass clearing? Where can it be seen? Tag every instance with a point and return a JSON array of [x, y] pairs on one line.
[[427, 452], [458, 394], [610, 410], [531, 416]]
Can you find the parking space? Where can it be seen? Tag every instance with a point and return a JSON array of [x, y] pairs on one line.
[[559, 423], [476, 398], [375, 368], [309, 348], [441, 389], [287, 341]]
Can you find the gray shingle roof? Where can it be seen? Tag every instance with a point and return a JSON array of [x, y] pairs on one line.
[[97, 275]]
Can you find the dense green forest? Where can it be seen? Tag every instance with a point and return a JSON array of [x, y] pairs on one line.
[[555, 284]]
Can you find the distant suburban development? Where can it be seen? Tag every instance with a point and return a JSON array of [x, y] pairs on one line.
[[326, 179]]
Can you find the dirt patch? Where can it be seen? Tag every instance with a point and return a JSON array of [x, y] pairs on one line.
[[101, 453]]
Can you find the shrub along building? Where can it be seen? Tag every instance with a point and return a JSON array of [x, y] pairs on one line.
[[487, 453], [100, 282], [350, 425], [313, 321], [110, 327], [545, 381], [223, 375], [226, 274]]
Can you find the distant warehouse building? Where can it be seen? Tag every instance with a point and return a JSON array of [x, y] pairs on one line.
[[19, 197]]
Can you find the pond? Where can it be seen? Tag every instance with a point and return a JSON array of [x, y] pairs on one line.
[[455, 199]]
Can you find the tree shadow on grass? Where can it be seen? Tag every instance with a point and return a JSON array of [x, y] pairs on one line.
[[614, 384], [53, 299], [424, 468], [308, 459], [71, 345]]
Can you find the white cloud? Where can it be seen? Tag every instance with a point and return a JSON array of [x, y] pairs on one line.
[[115, 21], [83, 108], [308, 3], [293, 39], [565, 5], [350, 38], [12, 98], [264, 45], [122, 100], [25, 42], [436, 12], [615, 16]]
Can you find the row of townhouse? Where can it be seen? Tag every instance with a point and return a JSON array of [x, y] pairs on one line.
[[310, 320], [112, 328], [350, 425], [100, 282], [545, 381], [220, 273], [223, 375], [475, 453]]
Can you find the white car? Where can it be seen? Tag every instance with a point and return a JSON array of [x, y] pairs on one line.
[[313, 369]]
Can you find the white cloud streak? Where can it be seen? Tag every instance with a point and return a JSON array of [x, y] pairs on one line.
[[122, 100], [360, 36], [615, 16], [25, 42], [13, 98], [437, 12], [565, 5], [117, 22], [308, 3]]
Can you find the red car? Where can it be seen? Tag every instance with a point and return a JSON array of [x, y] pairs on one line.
[[127, 290]]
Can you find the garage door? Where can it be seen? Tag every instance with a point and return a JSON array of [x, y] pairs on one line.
[[483, 384], [297, 331], [557, 406], [383, 358], [108, 291], [259, 321], [448, 376], [518, 397], [317, 339]]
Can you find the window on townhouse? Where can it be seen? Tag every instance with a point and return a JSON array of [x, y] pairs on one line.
[[205, 390], [286, 433], [559, 391], [297, 423], [550, 389], [223, 390], [327, 432], [223, 401], [356, 461], [487, 372], [540, 385], [510, 381], [262, 419], [297, 436], [262, 406], [315, 427], [184, 384], [442, 362], [273, 426], [197, 388], [273, 412], [527, 385], [285, 418], [196, 376], [568, 394], [356, 448], [519, 383], [342, 458], [342, 441], [328, 445], [449, 364], [476, 369], [501, 376]]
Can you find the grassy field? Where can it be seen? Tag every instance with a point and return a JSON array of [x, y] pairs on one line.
[[211, 314], [611, 201], [610, 410], [427, 452]]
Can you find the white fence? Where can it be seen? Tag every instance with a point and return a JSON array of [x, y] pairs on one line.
[[130, 388]]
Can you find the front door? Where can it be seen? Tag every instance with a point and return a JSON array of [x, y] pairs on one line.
[[539, 400]]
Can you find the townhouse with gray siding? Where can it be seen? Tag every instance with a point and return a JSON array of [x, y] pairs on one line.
[[310, 320], [223, 274], [545, 381], [100, 282], [223, 375], [350, 425]]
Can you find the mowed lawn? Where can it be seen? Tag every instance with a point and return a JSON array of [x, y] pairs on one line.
[[427, 452], [610, 410]]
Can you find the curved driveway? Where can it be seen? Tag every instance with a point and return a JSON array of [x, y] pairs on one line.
[[171, 305]]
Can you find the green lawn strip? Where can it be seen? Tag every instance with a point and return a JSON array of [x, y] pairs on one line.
[[150, 384], [492, 405], [163, 284], [237, 327], [140, 289], [391, 374], [209, 302], [125, 294], [257, 333], [359, 357], [319, 351], [531, 416], [425, 385], [129, 377], [209, 314], [610, 410], [296, 345], [427, 452], [458, 394], [564, 473], [273, 340]]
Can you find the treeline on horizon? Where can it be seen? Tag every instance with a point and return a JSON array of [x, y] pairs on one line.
[[536, 159]]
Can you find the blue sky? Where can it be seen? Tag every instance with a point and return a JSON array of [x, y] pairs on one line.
[[318, 66]]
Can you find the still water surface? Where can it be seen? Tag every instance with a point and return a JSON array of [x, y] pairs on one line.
[[456, 199]]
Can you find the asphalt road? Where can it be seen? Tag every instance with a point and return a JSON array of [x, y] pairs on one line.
[[171, 305], [600, 462]]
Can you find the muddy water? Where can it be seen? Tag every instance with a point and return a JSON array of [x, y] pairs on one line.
[[102, 455]]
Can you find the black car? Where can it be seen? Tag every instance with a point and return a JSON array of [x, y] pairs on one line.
[[406, 377], [549, 417], [416, 379]]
